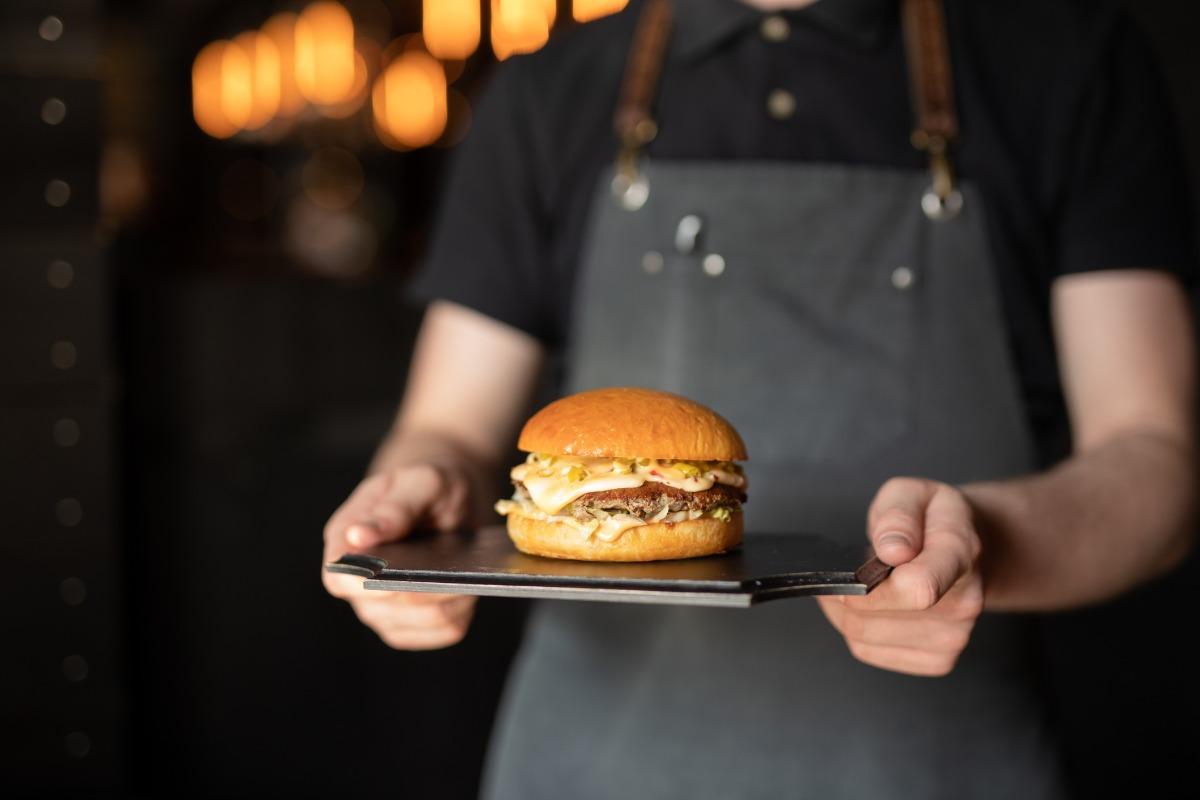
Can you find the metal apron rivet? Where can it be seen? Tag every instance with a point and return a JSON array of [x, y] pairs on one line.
[[78, 744], [60, 274], [713, 265], [73, 591], [687, 234], [75, 668], [631, 192], [54, 111], [941, 209], [652, 262], [903, 278], [781, 104]]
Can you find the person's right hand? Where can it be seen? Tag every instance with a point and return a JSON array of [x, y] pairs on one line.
[[385, 507]]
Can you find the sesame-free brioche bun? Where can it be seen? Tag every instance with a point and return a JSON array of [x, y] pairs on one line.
[[656, 541], [631, 423]]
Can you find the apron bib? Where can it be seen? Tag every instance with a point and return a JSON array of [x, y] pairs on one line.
[[849, 339]]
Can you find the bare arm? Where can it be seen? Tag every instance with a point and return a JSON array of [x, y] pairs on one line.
[[468, 388], [1116, 513], [1120, 510]]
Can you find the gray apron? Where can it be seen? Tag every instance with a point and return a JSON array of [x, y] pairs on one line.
[[850, 338]]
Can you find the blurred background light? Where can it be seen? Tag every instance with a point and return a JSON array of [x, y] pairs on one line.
[[520, 26], [324, 53], [208, 90], [355, 97], [264, 72], [332, 178], [237, 85], [281, 29], [587, 10], [409, 100], [451, 27]]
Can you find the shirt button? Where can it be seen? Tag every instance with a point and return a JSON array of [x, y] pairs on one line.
[[781, 104], [774, 28], [903, 278]]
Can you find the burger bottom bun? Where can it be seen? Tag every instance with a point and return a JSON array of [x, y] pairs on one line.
[[657, 541]]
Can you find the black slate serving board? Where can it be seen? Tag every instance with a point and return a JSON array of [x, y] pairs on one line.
[[484, 562]]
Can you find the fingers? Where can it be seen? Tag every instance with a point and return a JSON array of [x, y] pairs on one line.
[[391, 511], [913, 642], [415, 621], [387, 506], [919, 620], [896, 520], [906, 660], [921, 632], [949, 548]]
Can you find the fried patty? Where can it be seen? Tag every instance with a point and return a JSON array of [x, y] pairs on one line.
[[649, 499]]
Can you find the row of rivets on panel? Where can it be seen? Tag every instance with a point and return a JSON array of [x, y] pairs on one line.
[[63, 354], [714, 265], [65, 432], [54, 111], [687, 240], [653, 262]]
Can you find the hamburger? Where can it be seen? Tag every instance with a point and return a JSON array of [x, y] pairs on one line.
[[626, 474]]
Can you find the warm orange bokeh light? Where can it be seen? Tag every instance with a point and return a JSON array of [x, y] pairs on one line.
[[206, 92], [222, 89], [451, 27], [409, 101], [519, 26], [282, 30], [358, 92], [588, 10], [324, 54], [264, 77]]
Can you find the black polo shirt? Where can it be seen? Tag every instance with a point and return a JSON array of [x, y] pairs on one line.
[[1065, 128]]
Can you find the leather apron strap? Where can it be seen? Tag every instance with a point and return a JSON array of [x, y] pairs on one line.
[[928, 52]]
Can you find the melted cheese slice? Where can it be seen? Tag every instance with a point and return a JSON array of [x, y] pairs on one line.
[[553, 486], [554, 493]]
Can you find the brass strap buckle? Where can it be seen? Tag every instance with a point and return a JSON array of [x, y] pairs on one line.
[[629, 184], [942, 200]]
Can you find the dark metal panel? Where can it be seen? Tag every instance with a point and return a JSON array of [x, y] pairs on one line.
[[765, 567]]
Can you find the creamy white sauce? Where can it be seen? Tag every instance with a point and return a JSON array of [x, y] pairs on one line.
[[557, 481], [607, 530]]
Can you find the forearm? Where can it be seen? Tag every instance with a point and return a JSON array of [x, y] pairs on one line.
[[1094, 526]]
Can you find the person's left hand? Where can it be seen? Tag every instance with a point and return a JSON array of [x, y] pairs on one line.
[[920, 618]]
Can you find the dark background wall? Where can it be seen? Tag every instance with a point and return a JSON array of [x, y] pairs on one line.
[[166, 477]]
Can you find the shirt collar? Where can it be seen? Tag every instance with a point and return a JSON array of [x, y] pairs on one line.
[[703, 24]]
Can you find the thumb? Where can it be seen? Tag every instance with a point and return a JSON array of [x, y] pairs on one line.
[[896, 521], [368, 533], [408, 496]]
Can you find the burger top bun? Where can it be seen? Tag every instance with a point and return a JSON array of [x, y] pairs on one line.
[[631, 423]]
